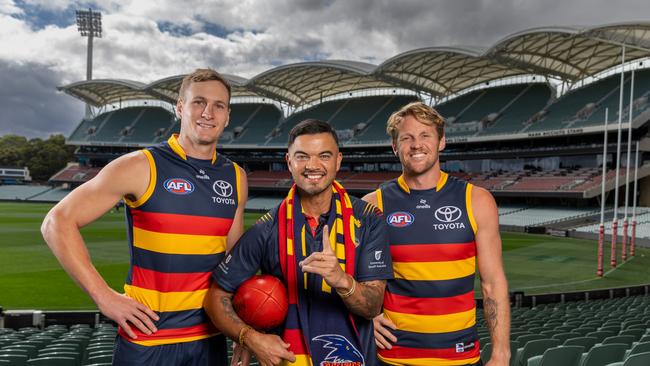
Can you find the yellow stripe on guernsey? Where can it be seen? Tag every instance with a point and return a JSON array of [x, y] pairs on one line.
[[429, 361], [468, 203], [426, 323], [301, 360], [434, 271], [159, 342], [238, 180], [380, 201], [152, 183], [178, 149], [167, 301], [178, 243]]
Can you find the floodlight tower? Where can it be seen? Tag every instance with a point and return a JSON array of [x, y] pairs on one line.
[[89, 24]]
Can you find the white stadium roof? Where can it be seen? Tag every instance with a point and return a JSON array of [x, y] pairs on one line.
[[569, 54]]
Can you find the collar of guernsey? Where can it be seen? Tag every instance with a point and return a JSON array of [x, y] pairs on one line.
[[178, 149], [441, 182]]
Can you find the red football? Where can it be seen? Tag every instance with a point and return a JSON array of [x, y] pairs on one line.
[[261, 302]]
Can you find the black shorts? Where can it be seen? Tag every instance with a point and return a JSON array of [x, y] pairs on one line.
[[205, 352]]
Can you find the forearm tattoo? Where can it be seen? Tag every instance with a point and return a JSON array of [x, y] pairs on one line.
[[490, 308], [229, 310], [367, 302]]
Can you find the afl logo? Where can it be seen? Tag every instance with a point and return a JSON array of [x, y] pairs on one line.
[[178, 186], [448, 214], [400, 219]]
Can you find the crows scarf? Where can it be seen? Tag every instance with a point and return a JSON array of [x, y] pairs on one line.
[[292, 225]]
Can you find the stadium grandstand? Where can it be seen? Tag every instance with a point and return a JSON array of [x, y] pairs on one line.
[[525, 119]]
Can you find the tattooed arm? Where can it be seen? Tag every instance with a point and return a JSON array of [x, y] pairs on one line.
[[268, 348], [367, 298], [496, 304]]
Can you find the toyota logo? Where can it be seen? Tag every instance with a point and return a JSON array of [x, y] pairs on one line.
[[222, 188], [448, 213]]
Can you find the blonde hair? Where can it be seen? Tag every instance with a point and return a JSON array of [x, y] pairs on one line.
[[420, 111], [200, 75]]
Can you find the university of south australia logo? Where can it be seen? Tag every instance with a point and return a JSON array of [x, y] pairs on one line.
[[400, 219], [178, 186]]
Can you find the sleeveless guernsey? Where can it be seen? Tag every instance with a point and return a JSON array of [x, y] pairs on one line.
[[431, 299], [177, 235]]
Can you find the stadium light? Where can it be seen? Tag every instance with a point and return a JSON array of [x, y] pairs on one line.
[[89, 24]]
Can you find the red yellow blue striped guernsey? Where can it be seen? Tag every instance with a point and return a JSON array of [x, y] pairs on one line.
[[177, 235], [431, 299]]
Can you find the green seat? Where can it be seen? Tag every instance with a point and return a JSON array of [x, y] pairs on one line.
[[99, 359], [564, 336], [99, 353], [486, 352], [586, 342], [639, 359], [30, 349], [638, 348], [530, 337], [558, 356], [534, 348], [76, 356], [604, 354], [636, 333], [52, 361], [601, 335], [625, 339], [14, 359]]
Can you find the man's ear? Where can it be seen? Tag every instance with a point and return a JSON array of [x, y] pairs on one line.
[[179, 108], [443, 144]]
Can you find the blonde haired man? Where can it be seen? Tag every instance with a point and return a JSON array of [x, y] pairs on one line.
[[439, 229]]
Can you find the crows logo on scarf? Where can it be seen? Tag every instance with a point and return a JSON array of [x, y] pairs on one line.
[[342, 353]]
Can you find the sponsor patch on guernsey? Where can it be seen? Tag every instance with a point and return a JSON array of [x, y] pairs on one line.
[[400, 219], [178, 186]]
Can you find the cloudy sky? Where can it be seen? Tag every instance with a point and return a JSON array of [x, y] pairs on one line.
[[41, 49]]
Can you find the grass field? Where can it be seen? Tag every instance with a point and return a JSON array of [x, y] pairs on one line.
[[31, 278]]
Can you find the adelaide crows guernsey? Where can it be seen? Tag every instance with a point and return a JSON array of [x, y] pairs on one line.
[[431, 299], [177, 235]]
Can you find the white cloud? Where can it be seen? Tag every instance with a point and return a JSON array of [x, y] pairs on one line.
[[263, 34], [8, 7]]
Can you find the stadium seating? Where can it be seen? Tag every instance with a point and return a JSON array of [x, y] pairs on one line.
[[131, 125], [75, 174], [586, 106], [513, 118], [251, 123], [590, 315], [20, 192], [152, 126], [558, 356]]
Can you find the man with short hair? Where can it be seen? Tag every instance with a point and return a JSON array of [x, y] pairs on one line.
[[184, 209], [331, 251], [439, 227]]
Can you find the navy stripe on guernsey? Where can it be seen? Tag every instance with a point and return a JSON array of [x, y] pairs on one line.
[[445, 288], [173, 263], [177, 235], [182, 319], [431, 299], [441, 340]]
